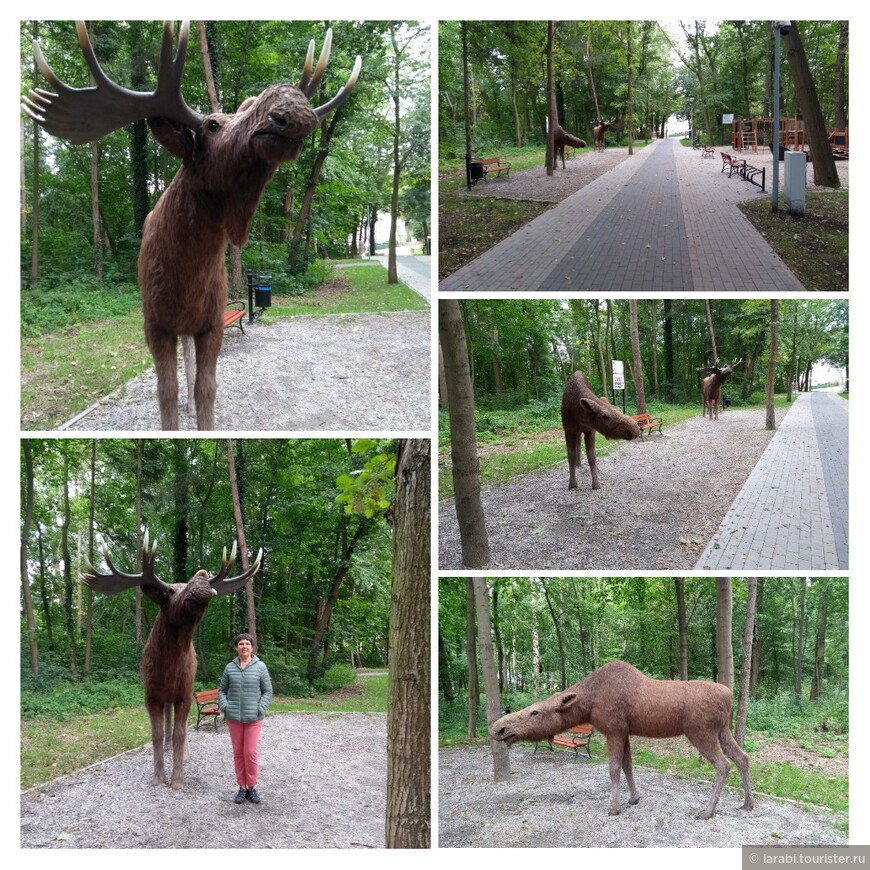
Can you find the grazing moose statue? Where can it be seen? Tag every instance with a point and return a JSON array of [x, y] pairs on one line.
[[227, 160], [561, 139], [598, 132], [584, 413], [620, 701], [168, 660], [711, 387]]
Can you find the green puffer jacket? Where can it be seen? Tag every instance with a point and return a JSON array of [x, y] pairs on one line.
[[245, 694]]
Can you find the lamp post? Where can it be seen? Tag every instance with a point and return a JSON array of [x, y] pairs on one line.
[[778, 27]]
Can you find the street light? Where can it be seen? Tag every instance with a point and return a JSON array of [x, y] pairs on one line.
[[782, 27]]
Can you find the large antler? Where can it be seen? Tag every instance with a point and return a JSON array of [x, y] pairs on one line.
[[309, 81], [223, 586], [84, 114], [118, 581]]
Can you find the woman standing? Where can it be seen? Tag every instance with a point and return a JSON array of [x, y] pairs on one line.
[[245, 693]]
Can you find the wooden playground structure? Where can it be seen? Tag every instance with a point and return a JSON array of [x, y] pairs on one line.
[[748, 133]]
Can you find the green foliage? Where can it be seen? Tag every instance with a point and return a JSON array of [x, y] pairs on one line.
[[68, 700], [366, 490], [783, 716], [337, 676], [289, 678]]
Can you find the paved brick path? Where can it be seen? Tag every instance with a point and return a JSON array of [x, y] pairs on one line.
[[793, 510], [665, 219]]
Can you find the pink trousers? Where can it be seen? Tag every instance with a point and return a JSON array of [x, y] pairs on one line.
[[245, 737]]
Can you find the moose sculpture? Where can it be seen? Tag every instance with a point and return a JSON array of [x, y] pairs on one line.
[[168, 659], [561, 139], [620, 701], [584, 413], [227, 160], [711, 387], [598, 132]]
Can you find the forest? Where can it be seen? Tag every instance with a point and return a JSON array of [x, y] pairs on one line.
[[638, 73], [321, 599], [547, 633], [523, 352], [82, 207]]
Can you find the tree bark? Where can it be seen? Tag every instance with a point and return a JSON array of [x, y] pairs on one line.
[[821, 630], [724, 648], [770, 418], [841, 120], [679, 584], [463, 437], [799, 633], [471, 655], [551, 98], [240, 537], [500, 758], [636, 361], [746, 669], [25, 574], [408, 711]]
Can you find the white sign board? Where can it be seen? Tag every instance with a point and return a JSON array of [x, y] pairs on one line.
[[618, 381], [616, 366], [728, 119]]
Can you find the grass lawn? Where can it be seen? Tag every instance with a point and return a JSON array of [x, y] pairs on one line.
[[51, 748], [815, 246], [66, 369]]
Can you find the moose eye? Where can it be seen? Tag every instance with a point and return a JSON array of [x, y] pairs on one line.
[[213, 126], [534, 713]]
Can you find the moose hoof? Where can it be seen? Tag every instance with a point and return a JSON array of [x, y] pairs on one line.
[[634, 800], [748, 805], [157, 780], [614, 811], [704, 815], [176, 784], [572, 485]]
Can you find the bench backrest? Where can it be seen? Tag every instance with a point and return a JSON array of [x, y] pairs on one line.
[[205, 696], [585, 730]]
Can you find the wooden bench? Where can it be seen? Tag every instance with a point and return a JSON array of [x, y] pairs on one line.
[[707, 151], [648, 423], [732, 164], [233, 316], [576, 738], [496, 165], [207, 707]]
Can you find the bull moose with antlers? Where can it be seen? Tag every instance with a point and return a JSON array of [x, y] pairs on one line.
[[227, 160], [711, 386], [168, 660], [598, 133]]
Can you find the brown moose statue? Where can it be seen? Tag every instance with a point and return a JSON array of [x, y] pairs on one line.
[[168, 665], [711, 387], [620, 702], [584, 413], [598, 133], [561, 140], [227, 160]]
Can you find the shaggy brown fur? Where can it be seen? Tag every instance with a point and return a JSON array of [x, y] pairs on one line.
[[598, 134], [711, 388], [620, 701], [227, 160], [561, 139], [583, 413], [168, 660]]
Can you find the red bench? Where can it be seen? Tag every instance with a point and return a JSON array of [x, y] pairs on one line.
[[234, 316], [576, 738], [206, 707], [648, 423]]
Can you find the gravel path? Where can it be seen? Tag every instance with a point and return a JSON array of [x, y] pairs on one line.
[[660, 502], [341, 372], [322, 780], [553, 800]]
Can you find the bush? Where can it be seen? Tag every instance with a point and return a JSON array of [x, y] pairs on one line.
[[337, 676], [68, 700], [288, 678]]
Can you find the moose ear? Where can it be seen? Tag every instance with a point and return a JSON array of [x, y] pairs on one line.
[[175, 138], [158, 596], [567, 700]]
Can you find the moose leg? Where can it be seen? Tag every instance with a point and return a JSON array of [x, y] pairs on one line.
[[188, 350], [708, 745], [628, 770], [589, 438], [615, 749], [208, 345], [179, 743], [164, 350], [155, 713], [572, 442], [741, 759]]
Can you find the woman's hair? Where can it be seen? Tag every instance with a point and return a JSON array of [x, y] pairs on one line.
[[243, 636]]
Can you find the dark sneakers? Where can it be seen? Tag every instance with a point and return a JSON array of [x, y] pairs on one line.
[[252, 796], [241, 794]]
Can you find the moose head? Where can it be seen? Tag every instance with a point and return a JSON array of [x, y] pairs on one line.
[[227, 160], [711, 386], [168, 659]]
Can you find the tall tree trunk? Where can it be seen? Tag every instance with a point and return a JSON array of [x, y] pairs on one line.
[[34, 224], [653, 312], [138, 604], [408, 709], [89, 617], [746, 669], [471, 655], [841, 121], [551, 98], [636, 361], [463, 436], [799, 634], [25, 574], [821, 630], [97, 234], [712, 332], [724, 648], [756, 643], [669, 350], [69, 591], [602, 365], [629, 97], [589, 73], [500, 758], [240, 537], [496, 633], [392, 273], [557, 625], [824, 167], [770, 418], [44, 595], [682, 627]]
